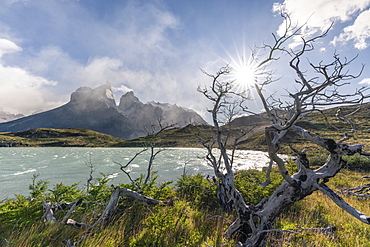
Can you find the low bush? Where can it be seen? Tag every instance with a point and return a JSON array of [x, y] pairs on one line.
[[194, 219]]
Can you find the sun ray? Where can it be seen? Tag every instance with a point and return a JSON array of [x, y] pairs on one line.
[[244, 72], [247, 72]]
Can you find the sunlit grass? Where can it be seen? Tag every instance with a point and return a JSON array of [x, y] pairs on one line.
[[319, 211], [194, 219]]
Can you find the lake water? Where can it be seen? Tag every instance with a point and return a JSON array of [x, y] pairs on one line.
[[69, 165]]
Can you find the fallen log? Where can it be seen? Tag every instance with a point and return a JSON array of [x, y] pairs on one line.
[[73, 208], [48, 212], [138, 196], [111, 207], [77, 225]]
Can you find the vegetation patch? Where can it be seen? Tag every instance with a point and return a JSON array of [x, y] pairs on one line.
[[195, 217]]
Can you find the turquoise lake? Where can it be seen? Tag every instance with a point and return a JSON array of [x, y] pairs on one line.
[[69, 165]]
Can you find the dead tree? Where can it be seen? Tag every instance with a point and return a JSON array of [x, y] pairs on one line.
[[155, 130], [152, 134], [316, 89]]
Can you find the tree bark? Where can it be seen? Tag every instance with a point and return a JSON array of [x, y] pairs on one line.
[[69, 213], [48, 212], [110, 209], [138, 196]]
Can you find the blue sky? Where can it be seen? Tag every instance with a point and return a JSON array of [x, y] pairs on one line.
[[49, 48]]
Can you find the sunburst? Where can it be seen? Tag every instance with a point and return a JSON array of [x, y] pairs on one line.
[[244, 73]]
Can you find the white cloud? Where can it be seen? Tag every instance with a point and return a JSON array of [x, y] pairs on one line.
[[320, 14], [365, 81], [131, 49], [100, 69], [121, 89], [22, 90], [359, 32], [143, 80], [14, 1], [147, 33], [7, 46]]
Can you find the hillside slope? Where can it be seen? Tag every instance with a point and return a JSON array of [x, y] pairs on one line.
[[44, 137]]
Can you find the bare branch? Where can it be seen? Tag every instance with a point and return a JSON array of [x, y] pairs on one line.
[[320, 85], [136, 195], [344, 205], [123, 167]]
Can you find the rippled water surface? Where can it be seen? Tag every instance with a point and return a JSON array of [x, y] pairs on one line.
[[69, 165]]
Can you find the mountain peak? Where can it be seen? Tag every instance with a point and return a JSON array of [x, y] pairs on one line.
[[105, 93], [129, 102], [102, 93], [130, 95]]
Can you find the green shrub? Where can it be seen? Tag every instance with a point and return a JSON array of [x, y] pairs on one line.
[[99, 191], [65, 193], [19, 213], [160, 191], [38, 188], [357, 162], [197, 189], [353, 162], [248, 183], [194, 219], [317, 159]]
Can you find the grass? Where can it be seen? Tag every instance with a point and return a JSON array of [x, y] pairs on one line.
[[188, 136], [44, 137], [194, 219], [318, 210]]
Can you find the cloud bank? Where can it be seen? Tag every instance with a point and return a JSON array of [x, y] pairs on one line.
[[320, 14], [65, 45], [154, 48], [20, 89]]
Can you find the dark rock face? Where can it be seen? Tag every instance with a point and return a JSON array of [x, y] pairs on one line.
[[96, 109]]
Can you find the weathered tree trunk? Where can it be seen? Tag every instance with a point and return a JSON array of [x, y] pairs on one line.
[[231, 199], [110, 208], [138, 196], [310, 94], [48, 212], [69, 213], [306, 181]]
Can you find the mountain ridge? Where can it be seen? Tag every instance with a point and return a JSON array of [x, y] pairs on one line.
[[96, 109]]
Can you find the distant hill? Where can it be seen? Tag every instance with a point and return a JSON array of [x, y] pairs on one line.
[[187, 136], [96, 109], [57, 138], [192, 135], [325, 124], [258, 120]]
